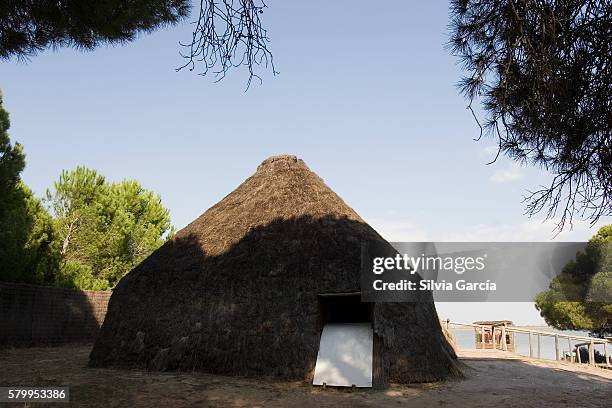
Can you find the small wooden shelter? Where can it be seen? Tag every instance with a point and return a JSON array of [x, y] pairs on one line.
[[491, 335]]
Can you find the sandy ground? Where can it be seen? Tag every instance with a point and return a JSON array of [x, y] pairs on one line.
[[493, 380]]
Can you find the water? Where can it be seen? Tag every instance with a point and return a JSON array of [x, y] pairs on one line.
[[465, 340]]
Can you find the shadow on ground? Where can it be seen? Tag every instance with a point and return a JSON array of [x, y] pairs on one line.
[[490, 382]]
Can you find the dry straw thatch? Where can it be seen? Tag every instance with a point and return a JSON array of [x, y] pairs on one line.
[[237, 291]]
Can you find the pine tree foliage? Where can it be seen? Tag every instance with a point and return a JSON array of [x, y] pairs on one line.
[[28, 27], [542, 72], [580, 297], [104, 229]]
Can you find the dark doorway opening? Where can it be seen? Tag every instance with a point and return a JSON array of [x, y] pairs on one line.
[[344, 308], [348, 308]]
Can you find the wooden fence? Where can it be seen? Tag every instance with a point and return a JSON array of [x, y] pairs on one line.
[[498, 339], [33, 315]]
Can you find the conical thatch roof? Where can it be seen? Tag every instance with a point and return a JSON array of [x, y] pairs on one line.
[[237, 290], [282, 188]]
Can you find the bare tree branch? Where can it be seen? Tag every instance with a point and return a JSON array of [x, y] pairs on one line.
[[229, 34]]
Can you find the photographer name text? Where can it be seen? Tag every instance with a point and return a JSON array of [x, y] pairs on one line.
[[431, 285]]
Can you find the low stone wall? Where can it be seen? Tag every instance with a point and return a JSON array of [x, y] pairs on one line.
[[41, 315]]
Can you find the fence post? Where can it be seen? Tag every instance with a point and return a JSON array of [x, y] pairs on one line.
[[531, 344], [504, 344], [557, 347], [578, 355], [591, 353], [447, 324], [569, 350], [539, 345], [482, 336], [606, 353]]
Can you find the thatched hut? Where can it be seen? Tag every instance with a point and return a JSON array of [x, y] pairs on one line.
[[247, 288]]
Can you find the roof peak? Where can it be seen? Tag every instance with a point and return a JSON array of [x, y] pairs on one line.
[[286, 160]]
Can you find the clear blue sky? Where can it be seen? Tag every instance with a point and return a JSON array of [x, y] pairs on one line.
[[365, 96]]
